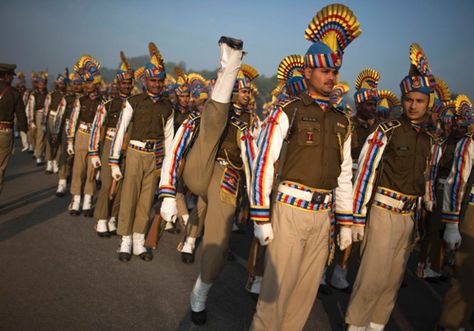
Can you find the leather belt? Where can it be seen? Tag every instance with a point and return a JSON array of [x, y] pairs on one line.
[[315, 197], [144, 146], [6, 127]]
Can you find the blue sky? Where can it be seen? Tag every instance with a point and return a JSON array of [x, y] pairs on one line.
[[53, 34]]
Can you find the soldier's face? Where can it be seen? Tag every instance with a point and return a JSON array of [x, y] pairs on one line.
[[320, 80], [367, 109], [183, 100], [60, 86], [41, 85], [77, 87], [415, 106], [125, 87], [244, 97], [154, 85], [89, 86]]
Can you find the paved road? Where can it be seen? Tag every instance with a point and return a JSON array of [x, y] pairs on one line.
[[57, 274]]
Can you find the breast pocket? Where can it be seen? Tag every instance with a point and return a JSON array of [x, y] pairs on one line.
[[309, 133], [404, 158]]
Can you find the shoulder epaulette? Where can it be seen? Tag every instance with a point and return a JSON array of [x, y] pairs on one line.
[[289, 101], [108, 101], [194, 115], [241, 125], [389, 125]]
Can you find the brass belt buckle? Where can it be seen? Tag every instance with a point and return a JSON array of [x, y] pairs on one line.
[[149, 145], [318, 198]]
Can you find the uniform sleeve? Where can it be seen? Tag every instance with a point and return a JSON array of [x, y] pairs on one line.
[[30, 109], [47, 104], [455, 186], [248, 149], [97, 124], [263, 166], [59, 116], [344, 187], [168, 129], [431, 174], [71, 132], [21, 120], [170, 169], [369, 160], [122, 126]]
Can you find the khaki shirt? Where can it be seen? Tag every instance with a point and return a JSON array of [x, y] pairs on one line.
[[11, 106]]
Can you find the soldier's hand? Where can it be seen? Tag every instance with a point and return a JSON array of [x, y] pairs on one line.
[[263, 232], [451, 236], [429, 206], [357, 233], [24, 141], [70, 148], [33, 125], [95, 160], [168, 210], [116, 172], [344, 238]]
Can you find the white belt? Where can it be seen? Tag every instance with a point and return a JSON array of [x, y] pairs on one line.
[[300, 194], [389, 201], [472, 189], [442, 180], [40, 110], [84, 126], [53, 112], [138, 143]]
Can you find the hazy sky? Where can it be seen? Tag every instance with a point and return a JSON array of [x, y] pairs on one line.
[[53, 34]]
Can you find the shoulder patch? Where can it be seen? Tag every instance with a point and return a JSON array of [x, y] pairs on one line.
[[241, 125], [389, 125], [287, 102]]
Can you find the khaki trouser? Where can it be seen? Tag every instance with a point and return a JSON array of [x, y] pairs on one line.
[[199, 165], [104, 208], [385, 253], [82, 166], [139, 185], [294, 265], [65, 160], [196, 219], [6, 146], [458, 304], [218, 223], [49, 147], [181, 199], [40, 136], [431, 247], [31, 137]]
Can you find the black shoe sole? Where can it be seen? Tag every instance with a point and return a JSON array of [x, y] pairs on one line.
[[103, 234], [187, 258], [199, 318], [124, 257], [74, 212], [147, 257], [60, 195], [87, 213], [236, 44]]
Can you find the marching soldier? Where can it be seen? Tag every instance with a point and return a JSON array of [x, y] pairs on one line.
[[363, 123], [54, 105], [148, 117], [220, 155], [11, 107], [36, 115], [396, 167], [311, 141], [458, 215], [63, 119], [103, 131], [78, 135]]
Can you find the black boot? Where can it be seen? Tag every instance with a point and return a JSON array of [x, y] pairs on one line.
[[199, 318]]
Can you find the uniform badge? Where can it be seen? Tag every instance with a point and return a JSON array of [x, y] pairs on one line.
[[309, 137], [416, 82]]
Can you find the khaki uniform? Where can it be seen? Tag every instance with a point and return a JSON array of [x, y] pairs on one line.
[[458, 304], [11, 107], [82, 117], [150, 136], [53, 101], [317, 170], [106, 129], [37, 117], [65, 160], [407, 153]]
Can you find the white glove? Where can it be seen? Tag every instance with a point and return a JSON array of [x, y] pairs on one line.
[[70, 148], [168, 210], [263, 232], [429, 205], [116, 173], [344, 238], [451, 236], [357, 233], [24, 141], [33, 125], [95, 160], [231, 60]]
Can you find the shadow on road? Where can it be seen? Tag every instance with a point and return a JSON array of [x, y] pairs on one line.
[[25, 173], [26, 199]]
